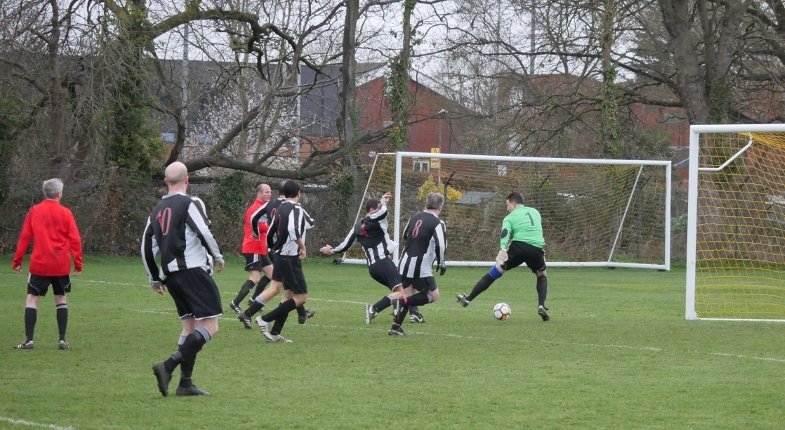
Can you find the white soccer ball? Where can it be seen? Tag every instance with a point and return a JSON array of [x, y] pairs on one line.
[[501, 311]]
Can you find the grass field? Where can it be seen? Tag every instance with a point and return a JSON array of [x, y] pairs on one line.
[[617, 353]]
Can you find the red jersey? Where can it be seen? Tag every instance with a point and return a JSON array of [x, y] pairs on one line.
[[255, 244], [52, 228]]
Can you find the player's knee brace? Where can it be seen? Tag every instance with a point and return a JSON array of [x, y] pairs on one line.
[[495, 273]]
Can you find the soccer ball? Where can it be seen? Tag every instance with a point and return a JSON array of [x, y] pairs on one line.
[[501, 311]]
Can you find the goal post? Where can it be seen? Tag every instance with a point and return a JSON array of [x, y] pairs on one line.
[[596, 212], [736, 223]]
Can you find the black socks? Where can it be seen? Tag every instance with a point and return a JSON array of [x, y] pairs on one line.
[[480, 286], [31, 315], [542, 289]]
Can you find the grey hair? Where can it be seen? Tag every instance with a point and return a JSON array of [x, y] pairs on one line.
[[52, 187], [434, 201]]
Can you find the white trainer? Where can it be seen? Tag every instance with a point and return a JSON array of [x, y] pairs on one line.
[[264, 328]]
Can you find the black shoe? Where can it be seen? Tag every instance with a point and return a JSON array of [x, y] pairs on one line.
[[245, 320], [417, 318], [396, 330], [193, 390], [237, 309], [163, 377], [28, 344], [309, 313], [542, 311], [63, 344], [461, 298]]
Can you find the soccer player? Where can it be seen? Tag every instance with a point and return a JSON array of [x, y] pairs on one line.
[[262, 296], [426, 241], [178, 231], [269, 212], [371, 233], [521, 242], [56, 241], [254, 247], [290, 226]]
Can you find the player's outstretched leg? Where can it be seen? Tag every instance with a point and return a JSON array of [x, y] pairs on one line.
[[483, 284]]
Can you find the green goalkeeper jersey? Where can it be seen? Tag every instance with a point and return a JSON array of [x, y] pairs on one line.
[[523, 224]]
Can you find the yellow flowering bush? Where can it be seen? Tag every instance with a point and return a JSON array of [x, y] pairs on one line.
[[430, 186]]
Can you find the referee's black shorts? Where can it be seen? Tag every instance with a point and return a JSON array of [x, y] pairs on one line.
[[38, 285], [520, 252], [256, 262], [288, 270], [195, 294], [384, 272]]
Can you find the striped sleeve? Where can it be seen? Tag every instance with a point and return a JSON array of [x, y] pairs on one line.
[[347, 242], [149, 253], [440, 235], [198, 222]]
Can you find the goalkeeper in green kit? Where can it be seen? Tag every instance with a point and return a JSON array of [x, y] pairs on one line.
[[521, 242]]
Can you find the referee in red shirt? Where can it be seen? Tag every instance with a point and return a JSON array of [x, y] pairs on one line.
[[56, 242]]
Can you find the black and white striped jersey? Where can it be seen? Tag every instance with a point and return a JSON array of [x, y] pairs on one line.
[[178, 230], [426, 241], [271, 210], [291, 223], [371, 233]]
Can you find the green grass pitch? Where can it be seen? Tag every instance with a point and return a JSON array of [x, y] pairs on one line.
[[617, 354]]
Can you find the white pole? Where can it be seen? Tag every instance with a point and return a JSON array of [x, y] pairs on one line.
[[692, 223], [397, 212]]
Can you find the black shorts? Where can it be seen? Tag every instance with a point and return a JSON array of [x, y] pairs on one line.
[[288, 270], [422, 285], [519, 253], [384, 272], [256, 262], [39, 285], [195, 294]]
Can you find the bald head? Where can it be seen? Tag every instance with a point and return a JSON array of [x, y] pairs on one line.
[[263, 192], [176, 175]]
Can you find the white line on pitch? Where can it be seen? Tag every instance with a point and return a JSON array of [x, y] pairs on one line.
[[33, 424], [460, 336]]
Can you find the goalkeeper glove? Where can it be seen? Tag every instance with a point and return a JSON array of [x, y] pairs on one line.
[[501, 257], [442, 269]]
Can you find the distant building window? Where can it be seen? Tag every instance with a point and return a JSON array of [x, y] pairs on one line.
[[516, 97], [420, 165], [501, 170]]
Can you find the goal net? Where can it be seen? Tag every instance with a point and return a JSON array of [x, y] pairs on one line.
[[736, 223], [613, 213]]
